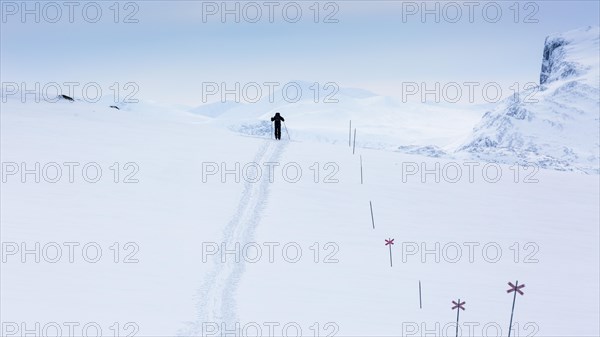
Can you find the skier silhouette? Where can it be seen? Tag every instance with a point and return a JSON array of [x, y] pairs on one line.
[[277, 119]]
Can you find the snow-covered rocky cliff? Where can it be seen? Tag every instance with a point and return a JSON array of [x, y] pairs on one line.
[[555, 125]]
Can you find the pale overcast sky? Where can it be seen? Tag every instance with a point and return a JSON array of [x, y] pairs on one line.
[[375, 45]]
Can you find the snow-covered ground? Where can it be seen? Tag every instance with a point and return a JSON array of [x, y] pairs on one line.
[[159, 220], [383, 122], [540, 228], [553, 124]]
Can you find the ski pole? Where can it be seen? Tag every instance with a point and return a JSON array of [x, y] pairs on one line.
[[286, 131]]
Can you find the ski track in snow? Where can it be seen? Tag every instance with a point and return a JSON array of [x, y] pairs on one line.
[[217, 303]]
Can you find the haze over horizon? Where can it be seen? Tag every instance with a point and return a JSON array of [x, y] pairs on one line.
[[170, 51]]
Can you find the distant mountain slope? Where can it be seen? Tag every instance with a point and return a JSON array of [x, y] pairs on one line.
[[381, 122], [556, 125]]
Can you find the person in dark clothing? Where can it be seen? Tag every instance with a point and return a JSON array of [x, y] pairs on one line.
[[277, 119]]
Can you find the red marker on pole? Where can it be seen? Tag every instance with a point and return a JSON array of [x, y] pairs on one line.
[[390, 242], [458, 306], [516, 288]]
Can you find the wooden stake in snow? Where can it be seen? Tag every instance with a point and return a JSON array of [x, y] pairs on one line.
[[390, 242], [361, 171], [350, 134], [420, 301], [458, 306], [516, 288], [372, 219], [354, 143]]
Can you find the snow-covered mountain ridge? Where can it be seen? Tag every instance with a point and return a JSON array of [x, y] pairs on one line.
[[557, 124]]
